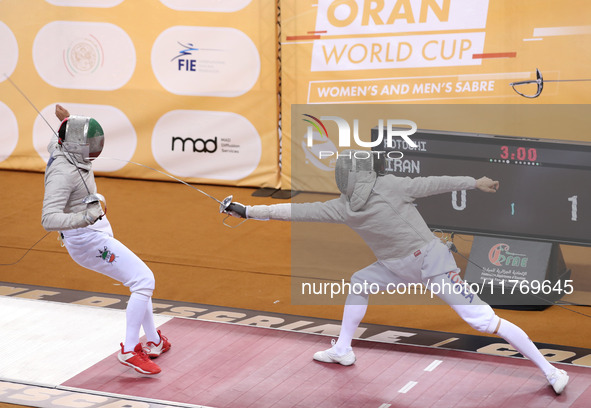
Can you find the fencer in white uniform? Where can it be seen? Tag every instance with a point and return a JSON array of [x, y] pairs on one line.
[[380, 209], [71, 207]]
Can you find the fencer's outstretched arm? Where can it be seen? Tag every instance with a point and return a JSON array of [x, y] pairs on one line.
[[280, 212], [426, 186], [327, 211]]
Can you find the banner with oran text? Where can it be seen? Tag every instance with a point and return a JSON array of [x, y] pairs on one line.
[[396, 52], [187, 87]]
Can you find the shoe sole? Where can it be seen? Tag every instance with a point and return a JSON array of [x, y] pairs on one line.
[[139, 370], [162, 352], [344, 363]]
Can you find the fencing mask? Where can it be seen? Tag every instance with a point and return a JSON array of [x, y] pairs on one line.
[[355, 176], [82, 135]]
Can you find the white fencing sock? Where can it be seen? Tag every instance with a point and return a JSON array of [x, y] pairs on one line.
[[135, 312], [520, 342], [355, 309], [149, 326]]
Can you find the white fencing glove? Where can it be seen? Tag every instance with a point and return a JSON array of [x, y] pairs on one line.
[[93, 213]]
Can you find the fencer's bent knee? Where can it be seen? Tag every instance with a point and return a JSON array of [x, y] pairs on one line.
[[143, 283], [356, 278], [488, 324], [359, 284], [493, 326], [479, 317]]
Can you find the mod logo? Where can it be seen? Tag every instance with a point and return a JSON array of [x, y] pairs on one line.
[[196, 145]]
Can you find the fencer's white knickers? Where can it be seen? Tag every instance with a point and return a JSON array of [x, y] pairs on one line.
[[101, 252], [433, 266]]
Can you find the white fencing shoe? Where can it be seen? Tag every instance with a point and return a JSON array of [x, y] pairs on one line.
[[330, 356], [558, 380]]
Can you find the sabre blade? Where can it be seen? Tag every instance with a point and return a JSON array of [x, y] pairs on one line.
[[52, 129], [30, 103], [567, 80], [167, 175]]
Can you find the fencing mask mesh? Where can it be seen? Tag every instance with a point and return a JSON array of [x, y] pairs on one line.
[[348, 164]]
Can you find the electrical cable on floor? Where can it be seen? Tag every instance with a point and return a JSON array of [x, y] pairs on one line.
[[31, 247]]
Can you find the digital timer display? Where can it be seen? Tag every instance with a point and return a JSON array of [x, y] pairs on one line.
[[545, 185], [520, 153]]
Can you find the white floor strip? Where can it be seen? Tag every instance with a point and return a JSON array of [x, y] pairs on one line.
[[433, 365], [47, 343], [407, 387]]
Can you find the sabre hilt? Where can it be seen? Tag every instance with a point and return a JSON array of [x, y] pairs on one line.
[[226, 203], [96, 198], [227, 207]]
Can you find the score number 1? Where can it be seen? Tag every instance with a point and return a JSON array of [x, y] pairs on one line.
[[462, 204], [573, 211]]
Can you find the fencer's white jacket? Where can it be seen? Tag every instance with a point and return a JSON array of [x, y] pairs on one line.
[[380, 210], [63, 209]]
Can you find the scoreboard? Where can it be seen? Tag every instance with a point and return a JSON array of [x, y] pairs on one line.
[[544, 192]]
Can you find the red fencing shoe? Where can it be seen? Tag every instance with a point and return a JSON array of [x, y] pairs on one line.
[[138, 360], [154, 350]]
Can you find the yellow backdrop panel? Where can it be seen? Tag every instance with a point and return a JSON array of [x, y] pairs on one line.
[[185, 86]]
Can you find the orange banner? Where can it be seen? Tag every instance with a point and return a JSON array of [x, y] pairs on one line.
[[185, 86]]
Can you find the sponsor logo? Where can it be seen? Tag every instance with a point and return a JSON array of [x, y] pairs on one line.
[[186, 50], [227, 144], [499, 255], [97, 56], [205, 61], [84, 56], [183, 63], [198, 145]]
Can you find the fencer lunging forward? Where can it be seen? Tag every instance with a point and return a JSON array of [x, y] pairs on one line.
[[88, 237], [381, 211]]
